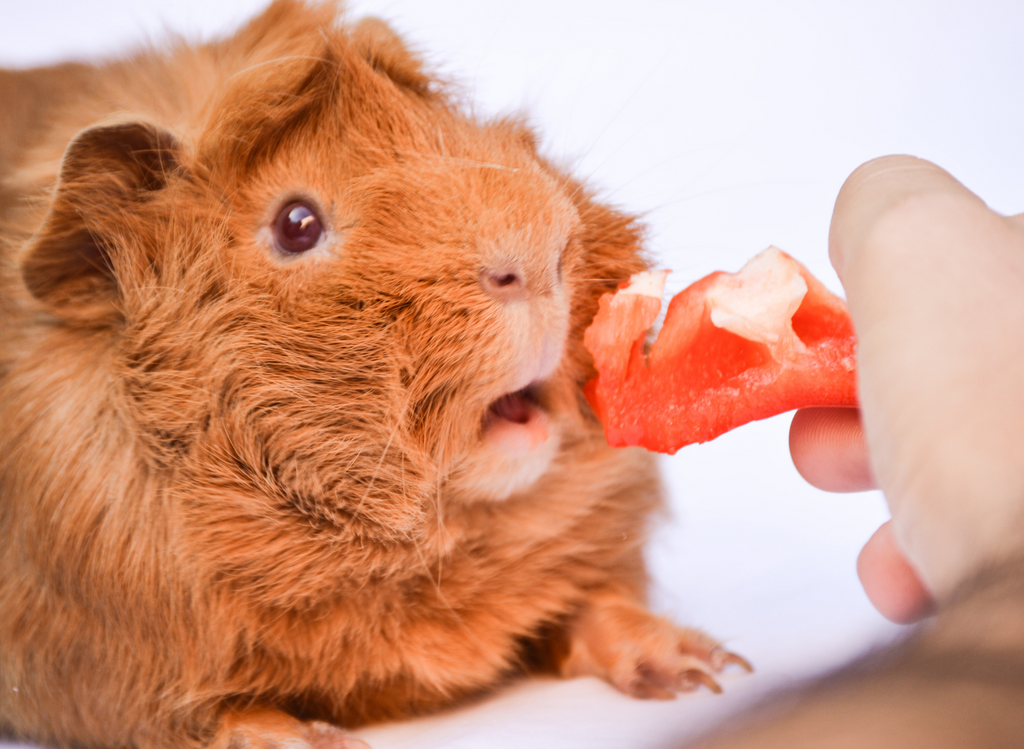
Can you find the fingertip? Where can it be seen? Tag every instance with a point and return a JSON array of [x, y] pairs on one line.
[[828, 449], [851, 194], [872, 189], [890, 583]]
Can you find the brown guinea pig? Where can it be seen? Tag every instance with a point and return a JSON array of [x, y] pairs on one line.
[[290, 384]]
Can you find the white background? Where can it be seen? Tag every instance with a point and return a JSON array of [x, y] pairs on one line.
[[731, 125]]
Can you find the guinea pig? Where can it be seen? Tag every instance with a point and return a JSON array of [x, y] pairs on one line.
[[291, 373]]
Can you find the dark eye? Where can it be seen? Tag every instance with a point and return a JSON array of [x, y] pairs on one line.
[[297, 228]]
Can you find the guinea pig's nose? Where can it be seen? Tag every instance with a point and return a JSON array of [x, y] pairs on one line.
[[505, 283]]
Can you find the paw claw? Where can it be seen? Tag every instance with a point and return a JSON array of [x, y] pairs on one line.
[[702, 677], [643, 655], [723, 659]]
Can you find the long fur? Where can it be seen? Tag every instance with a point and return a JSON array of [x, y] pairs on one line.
[[232, 481]]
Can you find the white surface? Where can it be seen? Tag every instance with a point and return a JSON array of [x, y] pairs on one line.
[[732, 125]]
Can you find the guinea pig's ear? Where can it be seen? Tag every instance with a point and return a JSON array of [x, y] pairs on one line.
[[106, 170], [385, 51]]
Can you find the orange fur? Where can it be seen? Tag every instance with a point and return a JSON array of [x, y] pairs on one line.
[[236, 485]]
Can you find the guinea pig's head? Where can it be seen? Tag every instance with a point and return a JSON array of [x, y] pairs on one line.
[[333, 296]]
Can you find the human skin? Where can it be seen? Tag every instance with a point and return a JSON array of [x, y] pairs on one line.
[[828, 449], [934, 281], [957, 682]]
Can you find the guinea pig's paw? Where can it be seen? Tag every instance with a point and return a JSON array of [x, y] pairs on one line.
[[643, 655], [273, 729]]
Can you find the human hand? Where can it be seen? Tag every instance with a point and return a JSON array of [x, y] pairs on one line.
[[935, 284]]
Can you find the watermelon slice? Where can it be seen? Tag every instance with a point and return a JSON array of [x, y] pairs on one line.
[[734, 348]]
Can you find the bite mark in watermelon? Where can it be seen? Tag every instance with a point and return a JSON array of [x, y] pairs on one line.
[[734, 348]]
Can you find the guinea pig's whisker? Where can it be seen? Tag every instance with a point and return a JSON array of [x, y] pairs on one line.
[[383, 455], [445, 158], [276, 61], [622, 108]]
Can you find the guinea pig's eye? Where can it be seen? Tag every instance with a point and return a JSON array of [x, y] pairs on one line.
[[297, 228]]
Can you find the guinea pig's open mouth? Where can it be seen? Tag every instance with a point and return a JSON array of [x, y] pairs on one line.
[[516, 422]]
